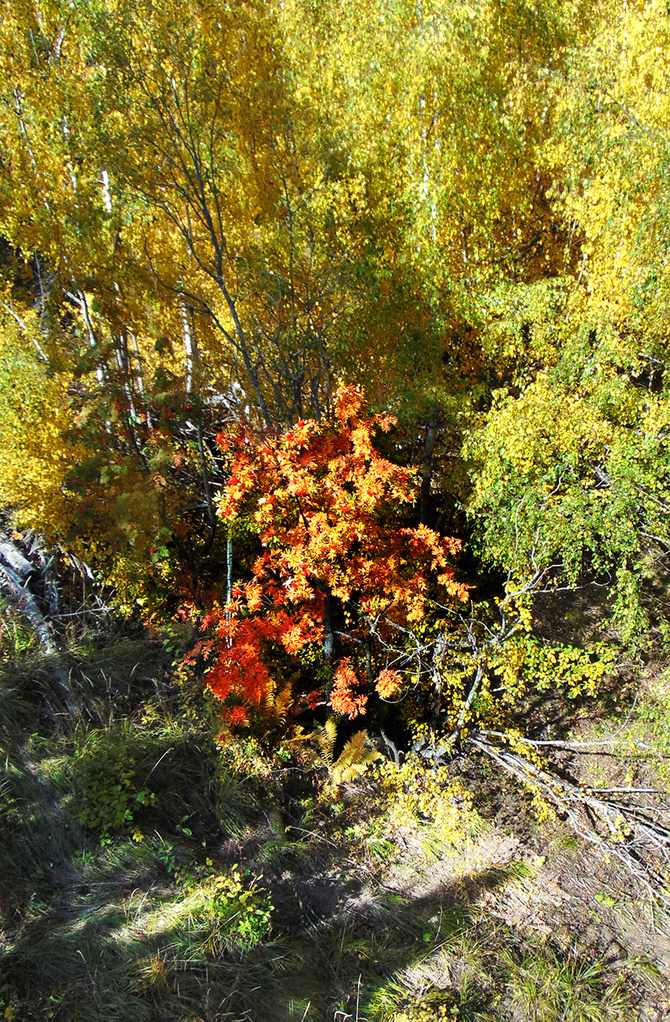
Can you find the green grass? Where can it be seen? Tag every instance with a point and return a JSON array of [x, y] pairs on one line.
[[488, 973], [145, 874]]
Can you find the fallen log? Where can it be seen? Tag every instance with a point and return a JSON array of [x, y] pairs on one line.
[[15, 583]]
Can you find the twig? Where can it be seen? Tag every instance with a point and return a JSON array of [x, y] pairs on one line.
[[629, 848], [573, 746]]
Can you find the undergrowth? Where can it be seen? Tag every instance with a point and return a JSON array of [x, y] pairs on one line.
[[151, 871]]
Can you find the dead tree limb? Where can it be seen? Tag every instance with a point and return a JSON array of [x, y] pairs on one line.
[[15, 582], [640, 843]]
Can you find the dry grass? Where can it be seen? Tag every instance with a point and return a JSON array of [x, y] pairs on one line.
[[374, 916]]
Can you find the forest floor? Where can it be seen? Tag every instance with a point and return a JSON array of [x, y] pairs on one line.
[[149, 872]]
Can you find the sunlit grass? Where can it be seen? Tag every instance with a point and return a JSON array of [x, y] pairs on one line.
[[211, 903]]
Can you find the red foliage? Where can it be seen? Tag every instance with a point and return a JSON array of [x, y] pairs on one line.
[[343, 697], [388, 683], [325, 505]]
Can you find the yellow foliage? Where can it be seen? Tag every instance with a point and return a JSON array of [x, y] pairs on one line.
[[420, 797], [353, 760], [35, 458]]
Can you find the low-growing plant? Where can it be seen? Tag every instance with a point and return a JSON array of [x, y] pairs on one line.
[[543, 988], [105, 787], [242, 909], [16, 636], [219, 911], [421, 799]]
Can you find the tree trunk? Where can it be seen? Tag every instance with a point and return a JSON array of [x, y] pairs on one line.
[[426, 471], [15, 574]]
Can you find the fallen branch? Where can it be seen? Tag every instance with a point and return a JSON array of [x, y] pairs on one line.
[[633, 837], [581, 748], [18, 591]]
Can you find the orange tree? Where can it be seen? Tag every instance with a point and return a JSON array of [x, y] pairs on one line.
[[340, 575]]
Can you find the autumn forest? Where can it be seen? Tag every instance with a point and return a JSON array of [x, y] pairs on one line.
[[335, 510]]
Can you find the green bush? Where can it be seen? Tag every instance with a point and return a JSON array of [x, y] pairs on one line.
[[105, 790]]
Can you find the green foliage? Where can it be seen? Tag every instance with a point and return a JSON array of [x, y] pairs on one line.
[[647, 735], [573, 480], [16, 637], [336, 232], [155, 769], [382, 894], [526, 664], [105, 791], [241, 909], [218, 212]]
